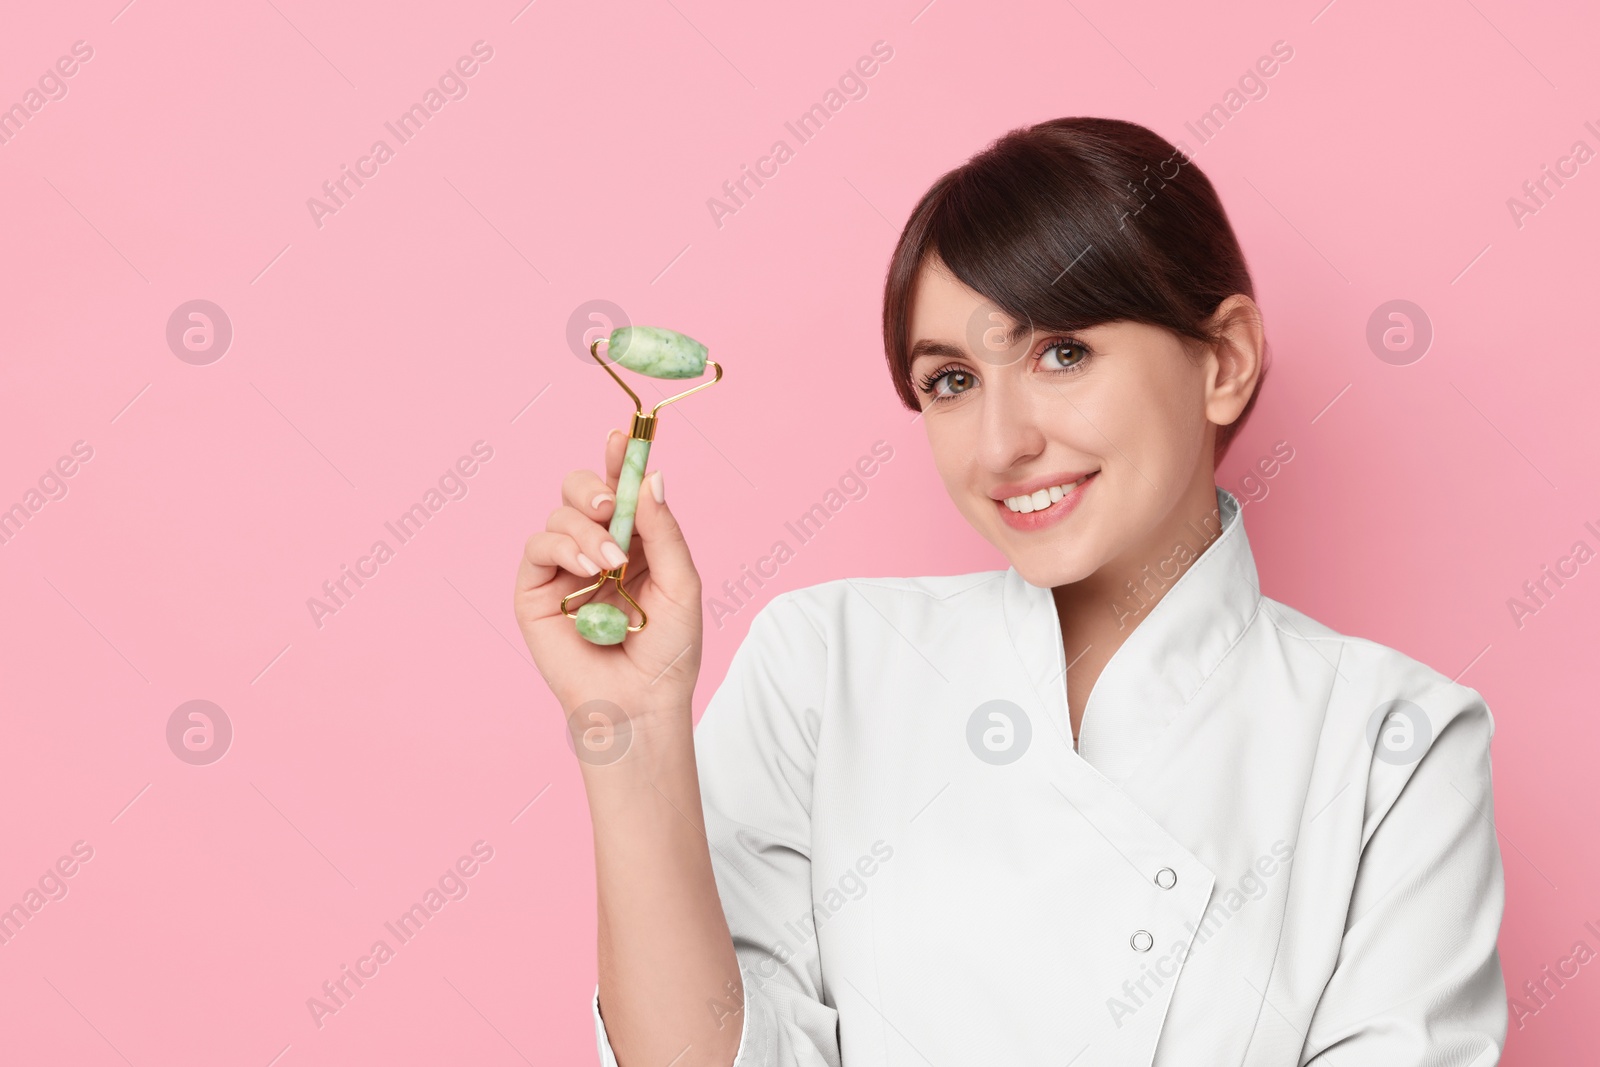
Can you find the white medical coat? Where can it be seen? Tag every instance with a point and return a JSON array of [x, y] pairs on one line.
[[1273, 846]]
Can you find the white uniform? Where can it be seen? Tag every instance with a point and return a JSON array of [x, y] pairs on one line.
[[1273, 846]]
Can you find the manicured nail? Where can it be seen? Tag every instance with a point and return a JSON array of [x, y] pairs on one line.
[[587, 564], [601, 498], [658, 490], [610, 435], [613, 554]]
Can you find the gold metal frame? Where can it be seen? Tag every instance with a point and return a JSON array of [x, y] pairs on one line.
[[643, 429]]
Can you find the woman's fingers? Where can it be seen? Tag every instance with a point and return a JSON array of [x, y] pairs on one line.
[[593, 539], [585, 492], [545, 557], [616, 446], [577, 540], [665, 550]]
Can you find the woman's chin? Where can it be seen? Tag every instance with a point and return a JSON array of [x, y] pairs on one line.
[[1048, 566]]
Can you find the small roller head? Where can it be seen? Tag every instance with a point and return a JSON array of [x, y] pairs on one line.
[[657, 352], [602, 624]]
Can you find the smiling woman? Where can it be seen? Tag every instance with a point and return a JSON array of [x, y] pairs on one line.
[[1073, 759], [1039, 228], [1124, 353]]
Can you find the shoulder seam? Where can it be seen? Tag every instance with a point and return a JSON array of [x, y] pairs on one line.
[[790, 597], [1436, 679], [1333, 635]]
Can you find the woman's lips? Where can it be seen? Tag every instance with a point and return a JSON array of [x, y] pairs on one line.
[[1058, 510]]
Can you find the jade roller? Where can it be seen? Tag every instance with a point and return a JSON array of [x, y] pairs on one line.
[[656, 353]]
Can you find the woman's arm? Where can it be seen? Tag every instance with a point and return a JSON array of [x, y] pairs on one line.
[[1418, 981], [690, 890], [666, 955], [756, 749]]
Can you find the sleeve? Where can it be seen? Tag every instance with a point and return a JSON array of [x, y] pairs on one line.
[[755, 748], [1418, 981]]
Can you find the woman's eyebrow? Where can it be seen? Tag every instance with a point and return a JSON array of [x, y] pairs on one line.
[[926, 347]]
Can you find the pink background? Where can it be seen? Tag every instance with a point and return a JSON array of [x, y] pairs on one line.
[[372, 351]]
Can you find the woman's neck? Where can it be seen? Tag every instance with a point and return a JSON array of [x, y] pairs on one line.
[[1098, 613]]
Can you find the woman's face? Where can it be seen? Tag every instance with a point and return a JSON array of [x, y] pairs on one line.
[[1066, 451]]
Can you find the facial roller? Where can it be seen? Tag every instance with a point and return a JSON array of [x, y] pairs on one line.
[[657, 353]]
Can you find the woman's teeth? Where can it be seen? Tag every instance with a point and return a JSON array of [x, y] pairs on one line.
[[1043, 498]]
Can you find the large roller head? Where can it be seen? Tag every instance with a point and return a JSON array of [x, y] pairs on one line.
[[656, 351]]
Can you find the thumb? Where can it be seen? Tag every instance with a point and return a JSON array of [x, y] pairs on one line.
[[665, 549]]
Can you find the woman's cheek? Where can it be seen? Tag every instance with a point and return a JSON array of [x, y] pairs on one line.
[[1096, 422], [1168, 423]]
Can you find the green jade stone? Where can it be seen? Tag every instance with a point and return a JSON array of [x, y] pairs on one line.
[[607, 624], [657, 352], [628, 482], [602, 624]]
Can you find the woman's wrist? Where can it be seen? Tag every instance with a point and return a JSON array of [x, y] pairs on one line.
[[648, 752]]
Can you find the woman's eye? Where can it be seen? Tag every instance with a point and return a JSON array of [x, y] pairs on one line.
[[1063, 355], [953, 382]]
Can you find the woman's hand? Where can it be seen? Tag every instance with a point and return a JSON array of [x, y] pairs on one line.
[[652, 673], [664, 946]]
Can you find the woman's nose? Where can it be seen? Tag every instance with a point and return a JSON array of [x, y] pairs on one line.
[[1009, 432]]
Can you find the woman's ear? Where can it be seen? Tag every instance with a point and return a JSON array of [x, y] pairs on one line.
[[1235, 362]]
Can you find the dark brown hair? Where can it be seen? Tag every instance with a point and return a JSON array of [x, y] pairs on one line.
[[1069, 224]]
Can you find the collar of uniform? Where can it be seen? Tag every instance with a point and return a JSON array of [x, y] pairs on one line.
[[1173, 648]]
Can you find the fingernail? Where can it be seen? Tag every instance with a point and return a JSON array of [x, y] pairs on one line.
[[601, 498], [587, 564], [658, 490], [612, 434], [614, 554]]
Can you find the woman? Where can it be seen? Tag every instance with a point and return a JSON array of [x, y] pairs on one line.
[[1107, 806]]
